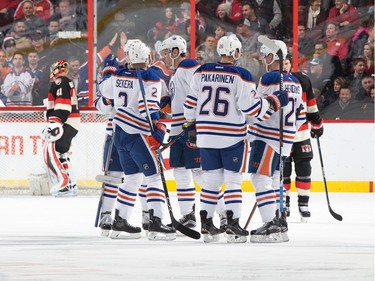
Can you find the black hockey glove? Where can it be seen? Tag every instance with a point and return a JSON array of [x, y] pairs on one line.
[[316, 130], [191, 132]]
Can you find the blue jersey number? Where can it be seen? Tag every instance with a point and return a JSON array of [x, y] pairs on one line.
[[123, 97], [289, 117], [219, 105]]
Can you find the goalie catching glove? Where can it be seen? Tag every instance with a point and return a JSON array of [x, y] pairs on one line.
[[53, 131], [157, 137], [191, 132], [278, 99]]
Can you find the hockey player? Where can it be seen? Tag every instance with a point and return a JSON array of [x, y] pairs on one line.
[[134, 143], [63, 124], [220, 98], [302, 152], [265, 149]]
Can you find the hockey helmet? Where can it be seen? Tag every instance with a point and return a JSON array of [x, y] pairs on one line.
[[59, 67], [266, 51], [175, 41], [139, 53], [228, 45]]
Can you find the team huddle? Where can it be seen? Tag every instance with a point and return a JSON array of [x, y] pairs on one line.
[[217, 112]]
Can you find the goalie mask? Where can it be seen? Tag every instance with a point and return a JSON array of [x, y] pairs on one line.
[[59, 67], [228, 45], [139, 53]]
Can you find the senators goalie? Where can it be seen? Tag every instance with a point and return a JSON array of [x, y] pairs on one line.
[[63, 123]]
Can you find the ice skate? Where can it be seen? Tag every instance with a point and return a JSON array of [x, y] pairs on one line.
[[209, 230], [270, 232], [105, 223], [67, 191], [223, 222], [283, 225], [121, 229], [157, 230], [235, 233], [287, 207], [189, 219], [303, 206], [145, 221]]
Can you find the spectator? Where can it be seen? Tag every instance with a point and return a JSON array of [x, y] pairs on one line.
[[257, 24], [74, 65], [367, 109], [32, 22], [344, 14], [219, 31], [332, 67], [316, 75], [167, 23], [207, 7], [360, 37], [7, 8], [53, 30], [19, 34], [18, 83], [42, 9], [223, 11], [355, 79], [332, 94], [235, 13], [9, 46], [335, 46], [40, 88], [209, 49], [305, 43], [343, 108], [313, 17], [68, 20], [368, 55], [272, 16], [4, 70], [367, 83]]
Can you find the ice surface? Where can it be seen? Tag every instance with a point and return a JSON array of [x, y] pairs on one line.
[[45, 238]]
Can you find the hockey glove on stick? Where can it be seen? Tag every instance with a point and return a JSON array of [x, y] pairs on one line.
[[157, 137], [53, 131], [316, 130], [191, 132], [278, 99]]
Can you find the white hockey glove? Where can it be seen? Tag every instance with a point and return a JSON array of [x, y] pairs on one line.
[[52, 132]]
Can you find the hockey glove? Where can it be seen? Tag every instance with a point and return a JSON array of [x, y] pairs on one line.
[[164, 101], [157, 137], [191, 132], [111, 64], [278, 99], [53, 131], [316, 130], [107, 101]]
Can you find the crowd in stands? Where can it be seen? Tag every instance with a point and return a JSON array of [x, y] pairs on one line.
[[335, 41]]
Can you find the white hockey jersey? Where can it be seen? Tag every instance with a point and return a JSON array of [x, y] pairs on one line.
[[294, 114], [220, 97], [123, 87], [22, 96], [179, 87]]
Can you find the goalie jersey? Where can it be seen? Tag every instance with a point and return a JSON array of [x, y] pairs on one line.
[[124, 89], [220, 97], [294, 114]]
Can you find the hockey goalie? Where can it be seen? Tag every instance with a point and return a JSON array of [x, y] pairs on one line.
[[63, 123]]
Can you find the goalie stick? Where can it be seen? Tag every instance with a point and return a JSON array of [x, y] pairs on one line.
[[176, 224], [114, 180], [275, 49], [335, 215]]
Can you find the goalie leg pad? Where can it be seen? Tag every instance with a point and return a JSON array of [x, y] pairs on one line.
[[55, 169]]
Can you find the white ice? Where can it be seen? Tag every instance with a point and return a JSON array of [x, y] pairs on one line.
[[45, 238]]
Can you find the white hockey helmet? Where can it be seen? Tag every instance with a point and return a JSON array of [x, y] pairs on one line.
[[129, 43], [228, 45], [175, 41], [139, 53], [266, 51]]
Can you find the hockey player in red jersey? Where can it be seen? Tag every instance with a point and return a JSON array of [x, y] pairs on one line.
[[302, 152], [63, 124], [265, 149], [221, 96]]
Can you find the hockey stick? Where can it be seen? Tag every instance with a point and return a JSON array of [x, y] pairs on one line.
[[114, 180], [275, 49], [335, 215], [251, 215], [108, 160], [176, 224]]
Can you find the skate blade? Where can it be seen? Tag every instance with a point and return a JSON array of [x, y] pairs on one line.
[[232, 238], [105, 232], [161, 236], [64, 194], [284, 236], [208, 238], [124, 235], [271, 238]]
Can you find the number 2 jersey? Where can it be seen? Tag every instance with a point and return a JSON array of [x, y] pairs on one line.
[[220, 97], [294, 114], [123, 87]]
